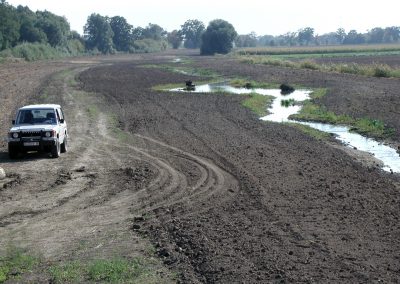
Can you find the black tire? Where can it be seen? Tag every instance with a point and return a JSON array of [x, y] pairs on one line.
[[64, 145], [55, 150], [12, 152]]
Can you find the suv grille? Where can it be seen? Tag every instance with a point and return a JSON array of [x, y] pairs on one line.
[[31, 134]]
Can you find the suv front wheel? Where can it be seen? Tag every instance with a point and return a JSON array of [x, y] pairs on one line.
[[64, 145], [12, 151], [55, 150]]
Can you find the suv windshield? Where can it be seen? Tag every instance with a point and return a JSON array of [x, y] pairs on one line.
[[36, 116]]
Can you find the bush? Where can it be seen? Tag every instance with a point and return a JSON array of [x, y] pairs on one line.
[[148, 45], [381, 70]]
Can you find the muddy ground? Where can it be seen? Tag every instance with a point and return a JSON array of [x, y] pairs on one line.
[[220, 195]]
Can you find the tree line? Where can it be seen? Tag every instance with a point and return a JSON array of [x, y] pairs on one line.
[[102, 34], [307, 36], [107, 35]]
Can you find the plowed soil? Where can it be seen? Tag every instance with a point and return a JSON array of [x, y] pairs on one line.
[[221, 195]]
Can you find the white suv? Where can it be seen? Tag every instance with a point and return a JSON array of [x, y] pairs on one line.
[[38, 128]]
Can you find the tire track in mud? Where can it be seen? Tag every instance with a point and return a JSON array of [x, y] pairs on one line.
[[171, 185]]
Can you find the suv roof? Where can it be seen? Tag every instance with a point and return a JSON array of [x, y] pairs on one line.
[[41, 106]]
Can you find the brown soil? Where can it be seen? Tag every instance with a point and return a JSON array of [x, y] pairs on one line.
[[224, 197]]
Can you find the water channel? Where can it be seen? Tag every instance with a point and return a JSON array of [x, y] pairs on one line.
[[279, 113]]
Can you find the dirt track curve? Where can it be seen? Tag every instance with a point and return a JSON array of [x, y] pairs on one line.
[[222, 196]]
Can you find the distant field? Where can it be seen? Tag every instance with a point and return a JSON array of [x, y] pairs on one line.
[[368, 60], [320, 51]]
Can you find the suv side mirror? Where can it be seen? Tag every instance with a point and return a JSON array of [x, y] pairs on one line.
[[61, 120], [13, 122]]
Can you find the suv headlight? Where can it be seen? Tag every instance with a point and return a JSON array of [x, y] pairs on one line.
[[49, 133], [14, 135]]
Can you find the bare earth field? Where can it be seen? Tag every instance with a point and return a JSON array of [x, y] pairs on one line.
[[195, 183]]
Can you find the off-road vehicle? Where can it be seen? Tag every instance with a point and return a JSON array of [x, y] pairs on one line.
[[38, 128]]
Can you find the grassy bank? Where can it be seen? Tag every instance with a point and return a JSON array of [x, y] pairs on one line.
[[40, 51], [258, 103], [365, 126]]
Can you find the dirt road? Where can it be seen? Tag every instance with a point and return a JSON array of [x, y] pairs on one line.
[[220, 195]]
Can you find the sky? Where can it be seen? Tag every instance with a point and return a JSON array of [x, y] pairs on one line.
[[260, 16]]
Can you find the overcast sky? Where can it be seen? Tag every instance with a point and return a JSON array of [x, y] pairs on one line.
[[261, 16]]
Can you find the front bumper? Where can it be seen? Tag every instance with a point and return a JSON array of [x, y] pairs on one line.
[[42, 144]]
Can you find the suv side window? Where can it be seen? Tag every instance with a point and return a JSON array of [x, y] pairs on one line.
[[58, 115]]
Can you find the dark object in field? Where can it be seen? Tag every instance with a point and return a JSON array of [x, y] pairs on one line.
[[190, 86], [248, 85], [286, 89]]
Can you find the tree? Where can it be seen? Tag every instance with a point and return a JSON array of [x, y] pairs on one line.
[[56, 28], [175, 39], [154, 31], [340, 35], [392, 34], [9, 25], [137, 33], [218, 38], [191, 31], [98, 34], [289, 38], [305, 35], [122, 33], [249, 40], [376, 35], [353, 37]]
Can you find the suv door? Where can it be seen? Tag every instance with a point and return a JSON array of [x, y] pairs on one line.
[[62, 124]]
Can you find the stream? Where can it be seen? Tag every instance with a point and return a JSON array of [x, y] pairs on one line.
[[279, 113]]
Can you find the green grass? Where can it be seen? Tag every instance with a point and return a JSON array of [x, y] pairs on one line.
[[16, 262], [258, 103], [71, 272], [190, 71], [365, 126], [288, 103], [320, 135], [371, 70], [318, 93], [93, 111], [117, 270]]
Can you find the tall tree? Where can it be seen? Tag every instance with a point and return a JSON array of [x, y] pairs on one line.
[[154, 31], [340, 35], [29, 32], [175, 39], [305, 35], [376, 35], [98, 34], [122, 33], [392, 34], [9, 25], [218, 38], [56, 28], [353, 37], [249, 40], [192, 30]]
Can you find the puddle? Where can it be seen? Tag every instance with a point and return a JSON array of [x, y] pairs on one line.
[[280, 113]]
